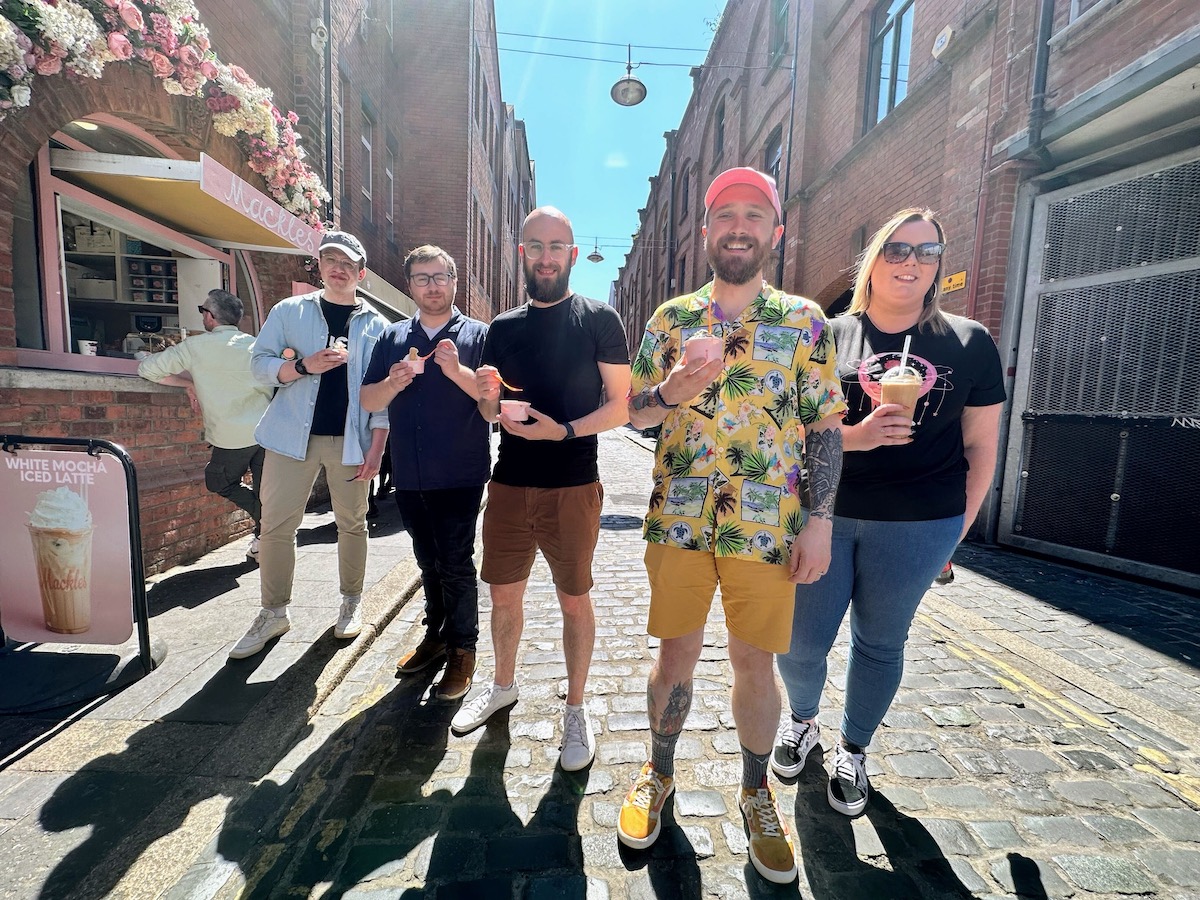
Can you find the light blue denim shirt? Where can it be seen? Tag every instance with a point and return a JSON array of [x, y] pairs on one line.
[[297, 323]]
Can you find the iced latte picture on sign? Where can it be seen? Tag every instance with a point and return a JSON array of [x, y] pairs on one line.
[[64, 548]]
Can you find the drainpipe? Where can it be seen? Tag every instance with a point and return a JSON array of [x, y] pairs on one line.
[[327, 16], [787, 163], [1041, 67], [671, 137]]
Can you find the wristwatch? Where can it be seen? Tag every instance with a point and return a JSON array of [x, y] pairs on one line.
[[570, 430], [661, 401], [300, 368]]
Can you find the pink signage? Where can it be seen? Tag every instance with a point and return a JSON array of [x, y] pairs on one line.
[[64, 548], [220, 183]]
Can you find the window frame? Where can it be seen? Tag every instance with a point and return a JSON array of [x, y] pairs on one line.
[[389, 179], [777, 34], [367, 160], [719, 130], [888, 37]]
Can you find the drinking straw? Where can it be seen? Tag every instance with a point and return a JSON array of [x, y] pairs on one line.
[[904, 352], [710, 317]]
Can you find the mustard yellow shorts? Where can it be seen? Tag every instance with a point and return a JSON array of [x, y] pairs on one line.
[[757, 597]]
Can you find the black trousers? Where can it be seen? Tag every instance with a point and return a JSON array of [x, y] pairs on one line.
[[223, 476]]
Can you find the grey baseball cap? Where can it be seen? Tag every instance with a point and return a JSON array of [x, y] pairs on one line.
[[346, 242]]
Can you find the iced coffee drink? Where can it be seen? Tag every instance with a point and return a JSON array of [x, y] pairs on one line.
[[901, 385], [60, 527]]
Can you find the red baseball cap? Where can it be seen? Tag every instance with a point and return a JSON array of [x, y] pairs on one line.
[[744, 175]]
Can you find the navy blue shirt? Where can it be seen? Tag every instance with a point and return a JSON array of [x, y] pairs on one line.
[[438, 438]]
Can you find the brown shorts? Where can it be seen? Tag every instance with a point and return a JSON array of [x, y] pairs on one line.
[[564, 523], [757, 597]]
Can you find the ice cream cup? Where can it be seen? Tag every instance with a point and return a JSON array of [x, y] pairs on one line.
[[514, 410], [703, 347], [416, 365]]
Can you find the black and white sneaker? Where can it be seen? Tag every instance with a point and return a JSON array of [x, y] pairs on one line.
[[793, 743], [848, 785]]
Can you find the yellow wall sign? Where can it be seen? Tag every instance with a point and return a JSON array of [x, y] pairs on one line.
[[955, 282]]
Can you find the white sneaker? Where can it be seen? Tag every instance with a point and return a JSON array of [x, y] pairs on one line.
[[578, 744], [252, 550], [483, 706], [266, 627], [349, 623], [792, 746]]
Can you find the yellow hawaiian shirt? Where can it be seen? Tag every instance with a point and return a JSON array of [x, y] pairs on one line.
[[727, 472]]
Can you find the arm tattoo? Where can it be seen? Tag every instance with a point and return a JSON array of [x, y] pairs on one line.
[[825, 470], [642, 400], [672, 717]]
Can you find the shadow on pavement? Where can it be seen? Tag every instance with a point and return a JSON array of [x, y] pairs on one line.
[[1160, 619], [130, 799], [919, 870], [187, 590]]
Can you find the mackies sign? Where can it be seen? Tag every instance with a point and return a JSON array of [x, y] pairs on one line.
[[219, 182]]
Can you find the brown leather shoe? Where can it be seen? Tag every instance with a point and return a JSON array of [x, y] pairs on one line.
[[456, 680], [428, 652]]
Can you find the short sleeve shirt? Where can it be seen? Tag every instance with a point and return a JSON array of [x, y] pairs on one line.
[[728, 468]]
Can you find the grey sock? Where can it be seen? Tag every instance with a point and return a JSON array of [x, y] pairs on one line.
[[754, 769], [662, 752]]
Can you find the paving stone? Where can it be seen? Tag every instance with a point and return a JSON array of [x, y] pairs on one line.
[[951, 836], [1029, 761], [1090, 760], [700, 803], [1174, 866], [1090, 793], [1056, 830], [1028, 877], [920, 765], [1105, 874], [958, 797], [979, 762], [997, 835], [1117, 830], [1174, 824]]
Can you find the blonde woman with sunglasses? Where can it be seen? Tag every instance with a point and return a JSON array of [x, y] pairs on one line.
[[913, 480]]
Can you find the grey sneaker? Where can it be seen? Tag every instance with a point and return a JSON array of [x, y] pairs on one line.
[[578, 744], [252, 550], [792, 746], [349, 622], [482, 707], [849, 788], [266, 627]]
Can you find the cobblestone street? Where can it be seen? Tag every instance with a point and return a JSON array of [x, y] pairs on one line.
[[1043, 744]]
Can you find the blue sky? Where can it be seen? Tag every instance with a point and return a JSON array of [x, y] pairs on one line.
[[593, 157]]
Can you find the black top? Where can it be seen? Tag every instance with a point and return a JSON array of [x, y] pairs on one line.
[[552, 354], [925, 479], [333, 395], [438, 438]]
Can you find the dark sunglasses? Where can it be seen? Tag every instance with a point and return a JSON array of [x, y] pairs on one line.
[[202, 310], [898, 251]]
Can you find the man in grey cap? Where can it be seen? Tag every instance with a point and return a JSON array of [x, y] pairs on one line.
[[314, 348]]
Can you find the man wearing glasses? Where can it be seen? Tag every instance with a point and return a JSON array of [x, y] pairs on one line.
[[314, 348], [423, 373], [214, 367], [567, 358]]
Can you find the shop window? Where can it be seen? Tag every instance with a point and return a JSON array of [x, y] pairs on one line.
[[891, 49]]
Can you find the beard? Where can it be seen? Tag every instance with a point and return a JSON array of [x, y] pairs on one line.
[[738, 270], [547, 291]]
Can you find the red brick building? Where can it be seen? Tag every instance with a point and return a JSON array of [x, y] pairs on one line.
[[1057, 140], [123, 203]]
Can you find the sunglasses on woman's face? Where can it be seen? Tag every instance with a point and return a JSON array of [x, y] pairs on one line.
[[898, 251]]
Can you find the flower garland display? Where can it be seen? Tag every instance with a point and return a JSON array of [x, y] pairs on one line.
[[81, 37]]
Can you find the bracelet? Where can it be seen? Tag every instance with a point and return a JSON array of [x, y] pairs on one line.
[[659, 397], [570, 430]]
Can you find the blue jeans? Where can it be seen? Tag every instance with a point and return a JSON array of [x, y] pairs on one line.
[[880, 570], [442, 527]]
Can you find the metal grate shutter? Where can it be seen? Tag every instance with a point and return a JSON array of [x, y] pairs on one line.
[[1104, 457]]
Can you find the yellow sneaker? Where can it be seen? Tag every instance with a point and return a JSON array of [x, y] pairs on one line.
[[641, 813], [770, 842]]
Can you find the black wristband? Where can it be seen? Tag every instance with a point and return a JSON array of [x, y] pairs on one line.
[[299, 364], [661, 401], [570, 431]]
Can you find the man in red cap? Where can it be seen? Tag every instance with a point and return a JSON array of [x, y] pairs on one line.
[[742, 378]]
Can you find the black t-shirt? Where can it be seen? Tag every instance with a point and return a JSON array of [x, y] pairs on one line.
[[333, 395], [925, 479], [551, 353]]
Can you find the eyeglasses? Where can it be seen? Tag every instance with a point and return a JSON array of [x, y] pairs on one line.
[[338, 262], [421, 279], [536, 249], [202, 310], [898, 251]]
